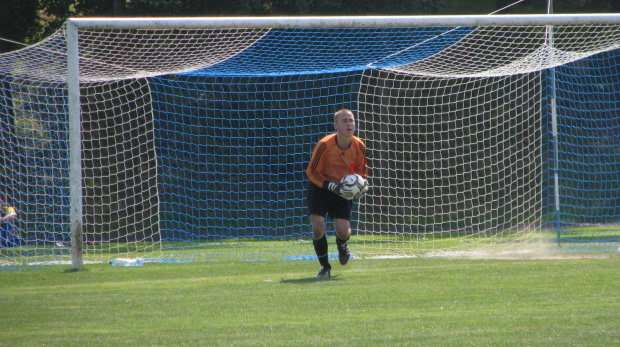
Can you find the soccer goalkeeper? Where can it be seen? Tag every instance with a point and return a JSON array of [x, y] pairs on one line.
[[332, 158]]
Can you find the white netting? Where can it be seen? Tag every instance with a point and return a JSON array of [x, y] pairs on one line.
[[522, 50], [195, 141], [457, 160]]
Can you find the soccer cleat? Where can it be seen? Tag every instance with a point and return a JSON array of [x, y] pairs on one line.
[[324, 272], [343, 254]]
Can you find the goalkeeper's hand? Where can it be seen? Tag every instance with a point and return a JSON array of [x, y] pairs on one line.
[[337, 189], [365, 189]]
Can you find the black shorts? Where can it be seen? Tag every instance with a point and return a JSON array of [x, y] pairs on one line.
[[321, 202]]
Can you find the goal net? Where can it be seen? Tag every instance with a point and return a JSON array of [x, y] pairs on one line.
[[190, 137]]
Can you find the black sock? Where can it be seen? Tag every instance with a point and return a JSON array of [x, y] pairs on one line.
[[340, 242], [320, 247]]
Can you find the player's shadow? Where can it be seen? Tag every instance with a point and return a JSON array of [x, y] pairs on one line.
[[310, 280]]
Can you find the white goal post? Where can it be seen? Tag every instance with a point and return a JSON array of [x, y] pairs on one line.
[[344, 21], [187, 137], [74, 25]]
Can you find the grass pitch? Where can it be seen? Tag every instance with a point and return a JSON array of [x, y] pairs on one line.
[[389, 302]]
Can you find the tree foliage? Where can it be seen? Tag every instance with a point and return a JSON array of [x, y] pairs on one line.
[[18, 22]]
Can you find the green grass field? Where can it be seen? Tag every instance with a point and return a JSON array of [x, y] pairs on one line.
[[420, 301]]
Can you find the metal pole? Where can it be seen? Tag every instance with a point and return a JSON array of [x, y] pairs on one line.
[[554, 125], [75, 146], [345, 21]]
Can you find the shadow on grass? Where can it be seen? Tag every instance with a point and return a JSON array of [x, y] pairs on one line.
[[310, 280]]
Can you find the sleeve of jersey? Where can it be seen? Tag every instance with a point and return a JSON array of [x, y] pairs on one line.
[[361, 163], [315, 168]]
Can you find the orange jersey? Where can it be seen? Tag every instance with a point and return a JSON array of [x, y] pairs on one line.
[[330, 162]]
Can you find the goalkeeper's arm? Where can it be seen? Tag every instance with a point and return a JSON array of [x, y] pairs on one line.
[[338, 189], [333, 187]]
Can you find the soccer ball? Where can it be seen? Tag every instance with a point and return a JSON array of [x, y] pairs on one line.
[[353, 186]]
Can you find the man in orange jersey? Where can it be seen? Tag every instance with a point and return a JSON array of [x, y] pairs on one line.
[[333, 157]]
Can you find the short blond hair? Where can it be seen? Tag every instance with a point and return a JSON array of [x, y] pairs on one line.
[[344, 110]]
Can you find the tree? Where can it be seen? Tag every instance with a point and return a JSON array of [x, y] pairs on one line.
[[110, 8], [19, 21]]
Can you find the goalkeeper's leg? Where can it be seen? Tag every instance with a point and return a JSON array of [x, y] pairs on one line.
[[319, 241], [343, 234]]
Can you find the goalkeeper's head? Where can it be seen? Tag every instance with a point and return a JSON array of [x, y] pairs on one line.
[[344, 123], [341, 113]]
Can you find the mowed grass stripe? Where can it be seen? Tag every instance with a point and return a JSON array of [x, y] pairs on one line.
[[415, 301]]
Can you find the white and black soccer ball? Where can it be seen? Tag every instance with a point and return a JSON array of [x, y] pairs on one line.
[[353, 186]]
